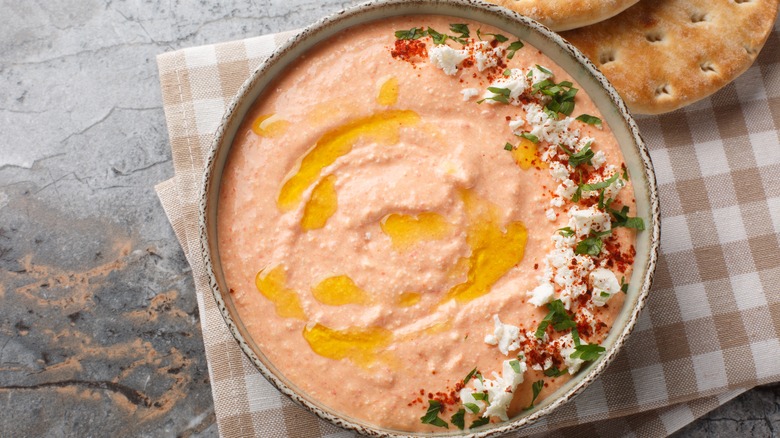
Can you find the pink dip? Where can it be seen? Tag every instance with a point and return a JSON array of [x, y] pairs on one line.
[[406, 144]]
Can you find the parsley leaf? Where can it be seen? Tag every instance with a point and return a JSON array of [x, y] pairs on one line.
[[575, 337], [507, 72], [621, 219], [566, 231], [438, 38], [458, 418], [536, 388], [480, 396], [462, 29], [582, 157], [557, 316], [590, 246], [500, 95], [514, 47], [472, 407], [599, 185], [508, 147], [554, 372], [515, 364], [481, 421], [623, 285], [470, 375], [411, 34], [543, 70], [588, 352], [432, 416], [528, 136], [590, 120]]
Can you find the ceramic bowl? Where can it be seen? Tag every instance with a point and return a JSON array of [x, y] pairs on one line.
[[567, 57]]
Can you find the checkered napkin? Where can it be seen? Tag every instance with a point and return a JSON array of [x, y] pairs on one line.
[[711, 328]]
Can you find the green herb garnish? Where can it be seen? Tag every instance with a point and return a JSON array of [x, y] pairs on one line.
[[508, 147], [590, 246], [604, 294], [481, 421], [411, 34], [462, 29], [536, 388], [514, 47], [543, 70], [621, 219], [438, 38], [515, 364], [472, 407], [599, 185], [554, 372], [582, 157], [566, 231], [623, 285], [557, 316], [507, 72], [528, 136], [480, 396], [588, 352], [575, 336], [432, 415], [470, 375], [499, 95], [590, 120], [458, 419]]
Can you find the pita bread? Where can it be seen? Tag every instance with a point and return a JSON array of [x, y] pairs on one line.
[[664, 54], [561, 15]]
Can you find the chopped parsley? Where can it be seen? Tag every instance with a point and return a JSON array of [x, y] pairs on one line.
[[566, 231], [543, 70], [584, 156], [536, 388], [554, 372], [621, 219], [462, 29], [590, 120], [481, 421], [507, 72], [592, 245], [623, 285], [438, 38], [470, 375], [498, 37], [604, 294], [414, 33], [500, 95], [508, 147], [432, 415], [480, 396], [595, 186], [458, 419], [561, 94], [557, 316], [588, 352], [515, 364], [514, 47], [528, 136], [472, 407]]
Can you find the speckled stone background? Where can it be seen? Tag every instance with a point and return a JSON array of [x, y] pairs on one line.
[[99, 332]]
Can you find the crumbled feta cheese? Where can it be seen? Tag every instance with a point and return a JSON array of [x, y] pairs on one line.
[[550, 213], [486, 56], [604, 284], [501, 389], [567, 189], [566, 347], [516, 83], [446, 58], [468, 93], [466, 396], [583, 221], [506, 336], [556, 201], [598, 160], [614, 188], [559, 171], [542, 294]]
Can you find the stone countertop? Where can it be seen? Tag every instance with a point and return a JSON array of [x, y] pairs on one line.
[[99, 333]]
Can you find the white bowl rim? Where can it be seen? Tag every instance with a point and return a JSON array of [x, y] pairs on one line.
[[232, 116]]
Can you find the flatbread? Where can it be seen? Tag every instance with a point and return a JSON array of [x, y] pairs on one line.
[[664, 54], [561, 15]]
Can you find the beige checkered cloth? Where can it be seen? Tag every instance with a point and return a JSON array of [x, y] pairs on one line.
[[711, 328]]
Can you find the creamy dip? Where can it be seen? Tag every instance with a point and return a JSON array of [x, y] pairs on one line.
[[396, 213]]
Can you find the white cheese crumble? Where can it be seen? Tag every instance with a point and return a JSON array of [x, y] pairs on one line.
[[468, 93], [501, 389], [506, 336], [516, 83], [486, 56], [550, 213], [587, 220], [598, 160], [542, 294], [566, 346], [446, 58], [604, 284], [539, 75]]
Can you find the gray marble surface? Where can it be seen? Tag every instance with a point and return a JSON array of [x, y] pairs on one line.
[[99, 331]]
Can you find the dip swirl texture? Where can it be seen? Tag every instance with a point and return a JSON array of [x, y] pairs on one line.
[[383, 234]]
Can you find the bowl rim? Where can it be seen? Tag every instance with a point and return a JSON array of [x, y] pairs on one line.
[[233, 116]]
